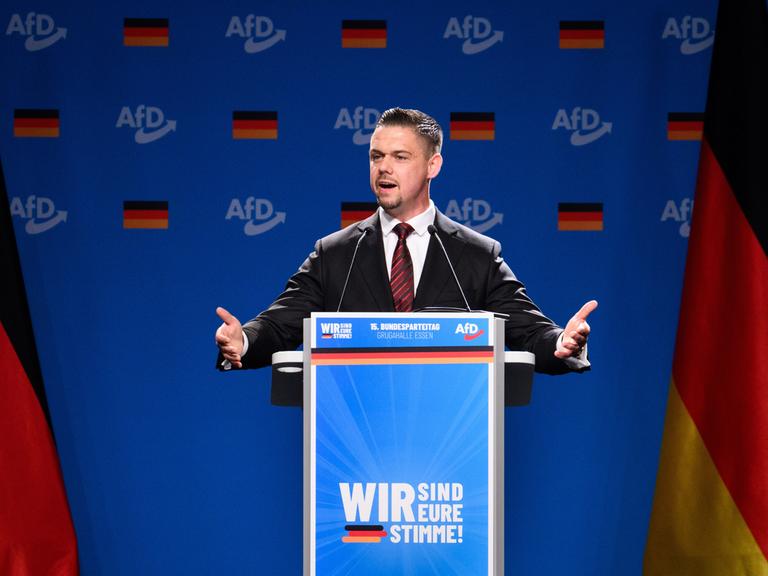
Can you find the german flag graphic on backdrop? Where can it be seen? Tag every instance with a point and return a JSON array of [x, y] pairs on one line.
[[710, 509], [580, 216], [473, 126], [147, 214], [582, 34], [363, 33], [685, 126], [352, 212], [254, 125], [36, 123], [154, 32], [36, 532]]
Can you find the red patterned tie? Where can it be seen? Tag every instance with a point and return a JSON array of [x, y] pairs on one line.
[[401, 278]]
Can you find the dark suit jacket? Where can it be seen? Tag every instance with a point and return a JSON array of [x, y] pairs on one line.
[[488, 284]]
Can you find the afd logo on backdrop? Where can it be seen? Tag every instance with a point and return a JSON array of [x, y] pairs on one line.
[[695, 33], [39, 212], [478, 33], [361, 120], [258, 214], [148, 121], [584, 124], [259, 32], [474, 213], [40, 30], [679, 213]]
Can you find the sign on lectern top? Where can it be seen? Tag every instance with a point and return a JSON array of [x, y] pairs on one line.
[[373, 330]]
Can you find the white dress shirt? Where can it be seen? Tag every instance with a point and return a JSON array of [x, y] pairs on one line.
[[417, 241]]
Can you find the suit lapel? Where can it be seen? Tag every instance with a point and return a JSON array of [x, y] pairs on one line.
[[436, 273], [372, 267]]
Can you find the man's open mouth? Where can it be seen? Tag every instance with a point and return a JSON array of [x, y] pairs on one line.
[[387, 185]]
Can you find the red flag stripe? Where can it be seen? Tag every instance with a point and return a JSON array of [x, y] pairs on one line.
[[34, 514]]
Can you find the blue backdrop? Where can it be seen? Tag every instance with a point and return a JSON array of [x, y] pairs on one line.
[[245, 127]]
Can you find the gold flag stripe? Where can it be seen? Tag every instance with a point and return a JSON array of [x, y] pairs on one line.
[[696, 528]]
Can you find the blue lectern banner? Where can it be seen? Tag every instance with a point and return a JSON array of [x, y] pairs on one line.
[[401, 410]]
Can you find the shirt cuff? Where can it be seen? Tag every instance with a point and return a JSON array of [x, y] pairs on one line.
[[575, 362], [226, 364]]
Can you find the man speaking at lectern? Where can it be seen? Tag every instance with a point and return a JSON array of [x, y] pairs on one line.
[[394, 262]]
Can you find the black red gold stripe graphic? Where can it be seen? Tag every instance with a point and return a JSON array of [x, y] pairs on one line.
[[403, 355], [147, 214], [473, 126], [363, 534], [685, 125], [254, 125], [152, 32], [352, 212], [363, 33], [580, 216], [36, 123], [582, 34]]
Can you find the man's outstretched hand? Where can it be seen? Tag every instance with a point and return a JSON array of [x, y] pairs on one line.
[[229, 337], [576, 332]]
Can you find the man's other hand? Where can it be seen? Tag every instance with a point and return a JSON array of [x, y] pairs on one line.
[[576, 333], [229, 337]]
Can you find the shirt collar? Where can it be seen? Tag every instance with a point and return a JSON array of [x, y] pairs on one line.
[[420, 223]]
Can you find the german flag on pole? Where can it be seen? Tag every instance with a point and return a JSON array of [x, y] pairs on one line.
[[36, 532], [710, 511]]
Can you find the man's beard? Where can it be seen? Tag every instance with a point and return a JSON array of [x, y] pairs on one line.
[[389, 203]]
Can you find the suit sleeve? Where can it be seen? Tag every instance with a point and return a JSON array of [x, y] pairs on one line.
[[280, 327], [527, 328]]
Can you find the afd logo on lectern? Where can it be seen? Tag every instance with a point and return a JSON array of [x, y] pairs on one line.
[[694, 33], [477, 32], [39, 30], [258, 214], [584, 124], [360, 119], [39, 212], [469, 330], [259, 32], [148, 121]]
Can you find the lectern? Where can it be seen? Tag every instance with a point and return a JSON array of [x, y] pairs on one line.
[[403, 444], [403, 440]]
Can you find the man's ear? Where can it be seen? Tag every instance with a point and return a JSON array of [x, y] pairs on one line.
[[434, 165]]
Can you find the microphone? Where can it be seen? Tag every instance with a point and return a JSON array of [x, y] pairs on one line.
[[436, 236], [367, 229]]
